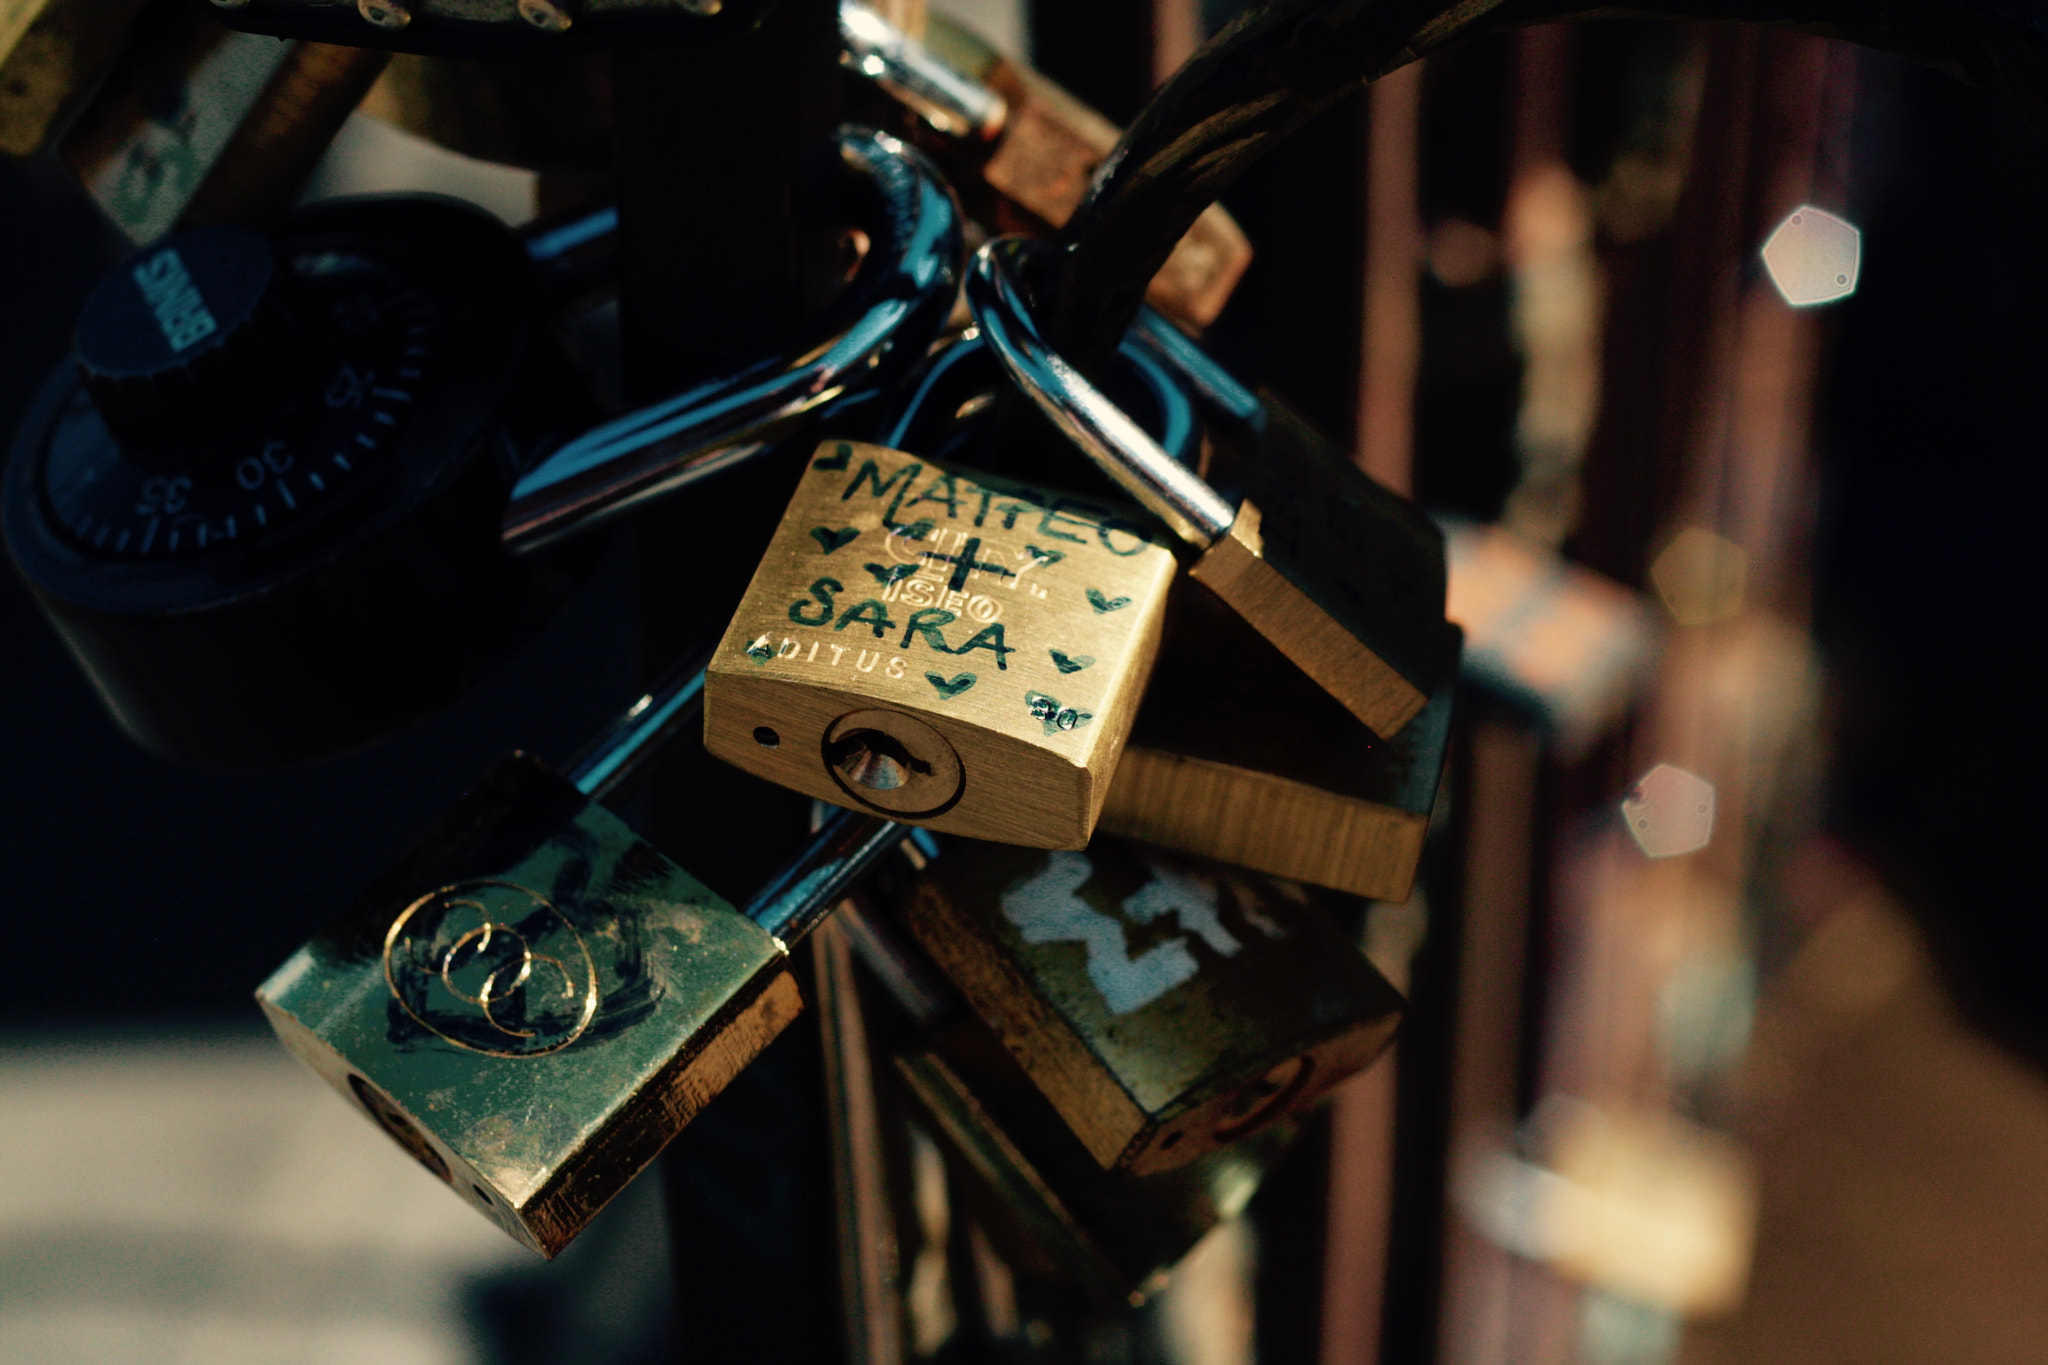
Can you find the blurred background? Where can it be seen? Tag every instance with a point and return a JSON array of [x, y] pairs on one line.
[[1726, 1035]]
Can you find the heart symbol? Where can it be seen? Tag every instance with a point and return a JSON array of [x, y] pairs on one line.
[[917, 530], [895, 573], [1070, 663], [836, 460], [1045, 556], [949, 690], [831, 539], [1098, 601]]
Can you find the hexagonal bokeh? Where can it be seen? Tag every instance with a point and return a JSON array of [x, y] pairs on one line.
[[1670, 812], [1700, 577], [1813, 257]]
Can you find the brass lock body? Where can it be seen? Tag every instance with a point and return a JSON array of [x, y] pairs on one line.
[[1294, 785], [1166, 1008], [948, 649], [533, 1002]]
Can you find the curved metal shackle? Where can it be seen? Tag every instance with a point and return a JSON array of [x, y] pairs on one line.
[[1278, 65], [1140, 465], [893, 309]]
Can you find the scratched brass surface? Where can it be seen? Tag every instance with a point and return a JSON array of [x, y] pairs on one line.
[[1293, 784], [1164, 1007], [996, 637], [532, 1002], [1346, 578], [1052, 1210], [51, 51]]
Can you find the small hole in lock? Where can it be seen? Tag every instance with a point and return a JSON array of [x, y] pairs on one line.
[[874, 760], [399, 1126], [766, 737], [1169, 1142], [483, 1194]]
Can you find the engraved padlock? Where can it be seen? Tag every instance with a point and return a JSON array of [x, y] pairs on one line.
[[1344, 577], [534, 1000], [1166, 1008], [948, 648]]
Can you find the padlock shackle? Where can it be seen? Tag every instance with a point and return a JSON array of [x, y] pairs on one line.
[[806, 890], [1279, 65], [611, 760], [888, 315], [1140, 465]]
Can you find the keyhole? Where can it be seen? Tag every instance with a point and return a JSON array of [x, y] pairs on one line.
[[875, 760]]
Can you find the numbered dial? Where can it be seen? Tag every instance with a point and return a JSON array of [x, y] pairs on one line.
[[261, 501], [360, 361]]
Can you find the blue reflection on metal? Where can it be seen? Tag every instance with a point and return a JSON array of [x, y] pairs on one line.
[[895, 306], [566, 238]]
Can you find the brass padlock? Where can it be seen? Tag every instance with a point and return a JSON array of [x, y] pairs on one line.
[[1344, 577], [947, 648], [534, 1000], [1166, 1008], [1293, 785]]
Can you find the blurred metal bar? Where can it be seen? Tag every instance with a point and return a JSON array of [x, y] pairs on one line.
[[1391, 344], [868, 1259]]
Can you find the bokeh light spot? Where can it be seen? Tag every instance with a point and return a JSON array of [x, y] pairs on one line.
[[1670, 812], [1813, 257], [1700, 577]]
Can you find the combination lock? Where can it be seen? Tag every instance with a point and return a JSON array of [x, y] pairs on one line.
[[261, 501]]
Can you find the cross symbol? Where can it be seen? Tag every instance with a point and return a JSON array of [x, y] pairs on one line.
[[963, 564]]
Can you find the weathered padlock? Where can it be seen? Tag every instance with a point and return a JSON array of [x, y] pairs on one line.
[[1343, 576], [535, 1000], [1165, 1008], [1048, 1205], [1054, 1212], [951, 649]]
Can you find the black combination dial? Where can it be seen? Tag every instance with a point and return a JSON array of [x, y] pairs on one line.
[[261, 499]]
